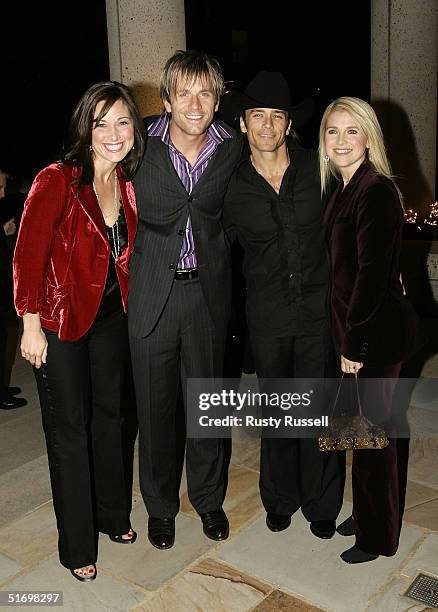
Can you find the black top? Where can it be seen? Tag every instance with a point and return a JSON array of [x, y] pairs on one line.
[[285, 263], [112, 299]]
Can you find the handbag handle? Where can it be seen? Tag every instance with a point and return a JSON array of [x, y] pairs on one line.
[[359, 403]]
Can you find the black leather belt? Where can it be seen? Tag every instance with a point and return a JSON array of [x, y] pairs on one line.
[[186, 274]]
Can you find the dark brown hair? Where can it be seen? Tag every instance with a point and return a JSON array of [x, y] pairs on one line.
[[78, 150]]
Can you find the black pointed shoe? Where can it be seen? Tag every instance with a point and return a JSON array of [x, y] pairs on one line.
[[161, 532], [347, 528], [356, 555], [10, 403], [277, 522], [323, 529], [13, 390], [215, 525]]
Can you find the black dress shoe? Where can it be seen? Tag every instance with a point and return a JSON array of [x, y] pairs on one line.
[[323, 529], [277, 522], [13, 390], [215, 525], [161, 532], [12, 402], [347, 528], [356, 555]]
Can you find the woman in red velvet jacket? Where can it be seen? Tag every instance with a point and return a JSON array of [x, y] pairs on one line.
[[374, 326], [71, 282]]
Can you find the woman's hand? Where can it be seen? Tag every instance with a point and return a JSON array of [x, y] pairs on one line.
[[9, 227], [33, 342], [350, 367]]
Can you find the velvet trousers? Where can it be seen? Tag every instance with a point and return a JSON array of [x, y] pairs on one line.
[[293, 471], [379, 477], [184, 344], [82, 390]]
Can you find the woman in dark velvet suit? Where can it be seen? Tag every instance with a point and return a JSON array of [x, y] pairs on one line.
[[373, 324], [71, 282]]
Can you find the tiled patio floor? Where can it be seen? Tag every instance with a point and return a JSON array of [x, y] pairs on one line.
[[253, 570]]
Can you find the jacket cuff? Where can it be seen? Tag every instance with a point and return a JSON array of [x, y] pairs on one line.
[[355, 347], [28, 304]]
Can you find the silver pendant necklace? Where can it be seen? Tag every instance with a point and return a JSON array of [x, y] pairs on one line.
[[115, 243]]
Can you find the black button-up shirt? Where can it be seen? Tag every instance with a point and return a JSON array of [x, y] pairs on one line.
[[284, 263]]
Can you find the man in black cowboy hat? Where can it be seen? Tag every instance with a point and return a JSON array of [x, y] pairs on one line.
[[273, 206]]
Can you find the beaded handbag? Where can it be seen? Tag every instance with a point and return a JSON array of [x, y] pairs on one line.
[[352, 432]]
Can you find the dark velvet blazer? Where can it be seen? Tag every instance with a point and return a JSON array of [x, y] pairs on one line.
[[372, 320], [62, 252]]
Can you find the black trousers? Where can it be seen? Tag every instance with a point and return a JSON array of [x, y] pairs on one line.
[[3, 342], [293, 472], [82, 391], [379, 477], [184, 344]]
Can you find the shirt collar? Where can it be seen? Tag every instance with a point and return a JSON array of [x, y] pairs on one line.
[[160, 128]]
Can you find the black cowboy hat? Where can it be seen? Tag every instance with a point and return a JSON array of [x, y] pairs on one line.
[[266, 90]]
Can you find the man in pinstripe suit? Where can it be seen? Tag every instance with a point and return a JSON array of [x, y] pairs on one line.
[[180, 289]]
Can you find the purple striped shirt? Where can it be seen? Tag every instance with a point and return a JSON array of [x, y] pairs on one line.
[[188, 175]]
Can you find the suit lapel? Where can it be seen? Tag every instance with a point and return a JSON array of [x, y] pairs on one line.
[[157, 155], [212, 166], [130, 208], [333, 206]]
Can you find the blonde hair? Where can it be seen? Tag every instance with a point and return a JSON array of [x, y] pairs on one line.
[[189, 66], [365, 117]]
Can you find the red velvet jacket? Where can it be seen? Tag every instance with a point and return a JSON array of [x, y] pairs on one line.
[[62, 253], [372, 321]]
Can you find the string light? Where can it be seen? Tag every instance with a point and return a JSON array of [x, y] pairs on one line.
[[411, 216], [432, 219]]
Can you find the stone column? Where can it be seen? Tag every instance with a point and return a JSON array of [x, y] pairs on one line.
[[141, 37], [404, 58]]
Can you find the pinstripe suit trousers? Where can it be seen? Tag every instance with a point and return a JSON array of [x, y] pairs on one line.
[[185, 343]]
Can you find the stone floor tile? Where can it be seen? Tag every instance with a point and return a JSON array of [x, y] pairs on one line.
[[424, 515], [22, 376], [23, 433], [299, 563], [392, 599], [8, 568], [135, 479], [278, 601], [418, 494], [246, 452], [24, 489], [143, 564], [31, 538], [209, 586], [422, 461], [424, 392], [106, 593], [430, 367], [425, 558], [348, 491], [242, 503], [6, 416]]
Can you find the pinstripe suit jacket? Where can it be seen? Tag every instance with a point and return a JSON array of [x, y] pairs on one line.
[[163, 208]]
